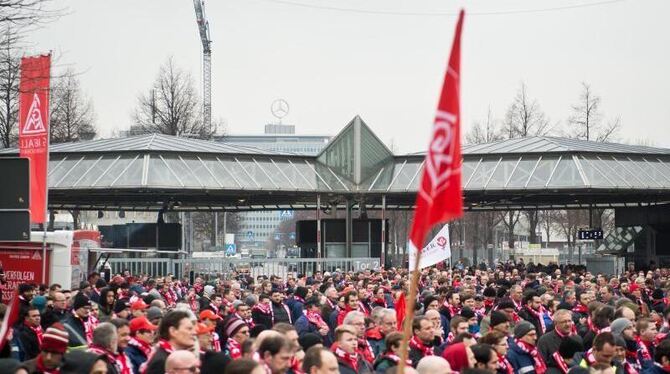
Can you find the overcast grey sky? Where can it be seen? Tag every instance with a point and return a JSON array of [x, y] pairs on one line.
[[331, 65]]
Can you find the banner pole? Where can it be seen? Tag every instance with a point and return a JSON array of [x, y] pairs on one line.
[[46, 184], [409, 313]]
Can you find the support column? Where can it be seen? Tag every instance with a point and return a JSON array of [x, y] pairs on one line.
[[383, 256], [318, 227], [216, 229], [347, 229]]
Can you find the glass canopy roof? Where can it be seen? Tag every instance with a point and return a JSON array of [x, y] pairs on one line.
[[356, 163]]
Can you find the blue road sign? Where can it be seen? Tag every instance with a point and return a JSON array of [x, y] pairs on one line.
[[285, 214], [291, 236], [250, 235], [231, 249]]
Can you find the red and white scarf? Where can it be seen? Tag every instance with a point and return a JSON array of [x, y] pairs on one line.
[[505, 365], [450, 337], [42, 369], [395, 358], [38, 332], [560, 362], [234, 349], [350, 359], [416, 343], [263, 308], [120, 360], [453, 310], [216, 342], [250, 322], [143, 346], [539, 316], [315, 319], [193, 303], [540, 366], [381, 302], [162, 344], [643, 348], [123, 363], [332, 305], [365, 350]]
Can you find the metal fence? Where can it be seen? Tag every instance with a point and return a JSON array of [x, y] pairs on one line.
[[223, 267]]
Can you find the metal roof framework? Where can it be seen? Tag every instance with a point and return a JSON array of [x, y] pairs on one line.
[[151, 172]]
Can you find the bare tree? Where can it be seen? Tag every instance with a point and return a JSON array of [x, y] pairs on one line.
[[72, 115], [524, 117], [172, 105], [27, 12], [587, 121], [510, 219], [484, 132], [10, 61], [569, 222]]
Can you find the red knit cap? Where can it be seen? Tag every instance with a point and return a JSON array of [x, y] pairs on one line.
[[55, 339], [457, 356]]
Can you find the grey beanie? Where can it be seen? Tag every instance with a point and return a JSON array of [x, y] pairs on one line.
[[620, 324], [523, 328]]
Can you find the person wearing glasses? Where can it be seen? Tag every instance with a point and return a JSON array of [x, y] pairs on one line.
[[356, 320], [563, 329]]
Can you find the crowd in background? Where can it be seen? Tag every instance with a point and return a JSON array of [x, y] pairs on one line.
[[512, 319]]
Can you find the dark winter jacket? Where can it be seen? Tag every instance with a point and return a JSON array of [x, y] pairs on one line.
[[52, 316], [363, 367], [549, 343], [29, 346], [136, 357], [157, 363], [76, 330], [521, 361]]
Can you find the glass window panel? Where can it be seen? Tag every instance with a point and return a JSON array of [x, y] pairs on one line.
[[276, 175], [542, 172], [658, 170], [182, 171], [621, 173], [293, 174], [159, 174], [200, 171], [522, 172], [594, 172], [76, 172], [133, 175], [648, 174], [234, 168], [56, 174], [97, 170], [307, 172], [405, 176], [360, 250], [335, 250], [114, 171], [566, 174], [256, 173], [502, 173], [467, 167], [221, 174], [482, 174]]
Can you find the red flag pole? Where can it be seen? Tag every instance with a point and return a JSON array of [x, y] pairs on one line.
[[439, 197]]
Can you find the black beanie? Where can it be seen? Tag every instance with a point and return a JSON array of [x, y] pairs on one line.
[[506, 303], [657, 294], [498, 317], [467, 313], [309, 340], [489, 292], [80, 301], [121, 305]]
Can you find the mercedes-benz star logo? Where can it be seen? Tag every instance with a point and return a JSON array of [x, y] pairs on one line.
[[279, 108]]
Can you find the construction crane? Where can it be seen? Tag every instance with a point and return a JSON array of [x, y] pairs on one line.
[[203, 28]]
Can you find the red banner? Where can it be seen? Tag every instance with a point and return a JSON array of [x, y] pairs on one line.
[[440, 193], [34, 129], [22, 263]]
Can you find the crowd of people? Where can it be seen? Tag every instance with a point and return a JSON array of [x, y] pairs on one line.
[[512, 319]]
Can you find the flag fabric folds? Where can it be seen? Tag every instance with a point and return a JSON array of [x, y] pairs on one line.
[[34, 129], [439, 198], [437, 250]]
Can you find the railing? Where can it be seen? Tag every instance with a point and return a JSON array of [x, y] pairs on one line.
[[224, 267]]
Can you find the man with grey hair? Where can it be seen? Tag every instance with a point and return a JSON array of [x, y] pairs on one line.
[[386, 324], [356, 320], [551, 341], [105, 342]]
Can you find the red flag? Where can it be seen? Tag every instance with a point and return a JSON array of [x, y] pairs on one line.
[[11, 316], [34, 129], [439, 198]]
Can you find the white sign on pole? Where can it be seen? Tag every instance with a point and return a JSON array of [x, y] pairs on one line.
[[437, 250]]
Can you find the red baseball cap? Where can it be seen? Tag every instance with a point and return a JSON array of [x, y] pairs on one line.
[[209, 314], [141, 323], [139, 305], [201, 329]]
